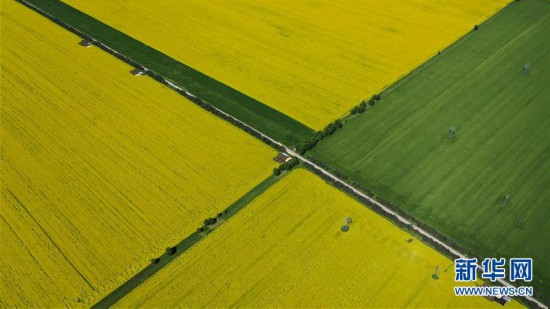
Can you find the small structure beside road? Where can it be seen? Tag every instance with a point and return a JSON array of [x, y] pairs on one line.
[[282, 157], [85, 43], [138, 72]]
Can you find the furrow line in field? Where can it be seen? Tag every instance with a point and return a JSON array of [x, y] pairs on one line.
[[51, 240]]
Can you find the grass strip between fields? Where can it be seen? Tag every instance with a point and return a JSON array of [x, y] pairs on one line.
[[184, 245], [237, 104]]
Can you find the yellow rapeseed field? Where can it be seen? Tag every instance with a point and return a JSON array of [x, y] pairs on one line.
[[101, 170], [312, 60], [286, 249]]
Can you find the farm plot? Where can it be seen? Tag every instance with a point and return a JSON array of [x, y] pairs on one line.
[[311, 60], [286, 249], [101, 170], [400, 148]]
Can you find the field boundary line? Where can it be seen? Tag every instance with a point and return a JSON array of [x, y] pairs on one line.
[[184, 245], [51, 240], [396, 83]]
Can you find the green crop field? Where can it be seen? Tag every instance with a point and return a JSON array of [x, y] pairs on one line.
[[400, 148]]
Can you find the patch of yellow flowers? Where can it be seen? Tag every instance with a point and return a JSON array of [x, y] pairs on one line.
[[101, 170]]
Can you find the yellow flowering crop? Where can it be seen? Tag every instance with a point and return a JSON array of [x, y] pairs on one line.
[[312, 60], [101, 170], [286, 249]]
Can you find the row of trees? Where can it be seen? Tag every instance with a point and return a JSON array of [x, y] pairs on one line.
[[334, 126], [287, 166], [320, 135], [211, 221], [362, 107]]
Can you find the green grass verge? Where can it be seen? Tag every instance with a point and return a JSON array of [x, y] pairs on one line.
[[400, 150], [252, 194], [182, 246], [256, 114]]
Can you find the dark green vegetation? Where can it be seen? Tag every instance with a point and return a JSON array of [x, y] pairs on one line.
[[362, 107], [172, 252], [256, 114], [286, 166], [400, 149], [320, 135]]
